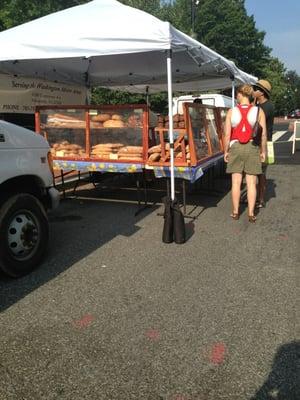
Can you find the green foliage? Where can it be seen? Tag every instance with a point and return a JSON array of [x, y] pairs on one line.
[[16, 12], [274, 72], [223, 26], [158, 101], [150, 6], [285, 86], [293, 89]]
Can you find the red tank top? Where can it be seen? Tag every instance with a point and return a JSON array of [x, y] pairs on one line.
[[243, 131]]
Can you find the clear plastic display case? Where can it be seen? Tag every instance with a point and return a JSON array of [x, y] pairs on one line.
[[197, 136], [116, 133]]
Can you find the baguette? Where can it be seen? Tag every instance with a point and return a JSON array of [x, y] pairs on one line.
[[131, 150], [154, 157], [155, 149], [108, 146], [113, 123], [101, 117], [117, 117]]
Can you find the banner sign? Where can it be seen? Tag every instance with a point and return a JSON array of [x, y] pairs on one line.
[[21, 95]]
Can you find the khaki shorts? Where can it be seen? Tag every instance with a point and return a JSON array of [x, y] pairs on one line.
[[244, 158]]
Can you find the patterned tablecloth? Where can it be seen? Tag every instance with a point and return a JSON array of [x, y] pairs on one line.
[[91, 166], [188, 173]]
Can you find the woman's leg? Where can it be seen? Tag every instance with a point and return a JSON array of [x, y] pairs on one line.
[[251, 192], [236, 179], [262, 184]]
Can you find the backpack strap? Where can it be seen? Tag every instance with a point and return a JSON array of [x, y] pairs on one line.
[[244, 124], [243, 130]]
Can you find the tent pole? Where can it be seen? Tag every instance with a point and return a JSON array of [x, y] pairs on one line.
[[147, 96], [232, 92], [171, 137]]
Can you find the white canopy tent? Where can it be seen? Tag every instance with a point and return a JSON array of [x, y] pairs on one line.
[[105, 43]]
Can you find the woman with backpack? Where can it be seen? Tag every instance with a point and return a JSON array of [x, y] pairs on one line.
[[242, 152]]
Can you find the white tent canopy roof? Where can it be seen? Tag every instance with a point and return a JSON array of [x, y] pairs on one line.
[[105, 43]]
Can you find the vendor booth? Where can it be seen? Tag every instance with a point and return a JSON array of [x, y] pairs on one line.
[[129, 50]]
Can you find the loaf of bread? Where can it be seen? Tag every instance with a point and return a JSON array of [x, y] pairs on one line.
[[117, 117], [100, 154], [131, 150], [113, 123], [178, 155], [96, 124], [131, 157], [108, 146], [67, 149], [101, 117], [155, 149], [154, 157]]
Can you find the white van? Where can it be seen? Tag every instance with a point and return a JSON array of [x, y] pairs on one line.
[[217, 100], [26, 192]]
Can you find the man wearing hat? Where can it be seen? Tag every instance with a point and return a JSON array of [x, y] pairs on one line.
[[262, 90]]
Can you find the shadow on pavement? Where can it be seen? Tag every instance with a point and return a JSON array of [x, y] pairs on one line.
[[85, 222], [283, 382], [270, 191], [283, 153]]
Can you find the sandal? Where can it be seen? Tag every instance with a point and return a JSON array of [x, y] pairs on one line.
[[235, 216], [260, 204], [252, 218]]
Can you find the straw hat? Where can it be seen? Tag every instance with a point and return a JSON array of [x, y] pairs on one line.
[[264, 85]]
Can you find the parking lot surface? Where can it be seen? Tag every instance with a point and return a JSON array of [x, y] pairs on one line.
[[114, 313]]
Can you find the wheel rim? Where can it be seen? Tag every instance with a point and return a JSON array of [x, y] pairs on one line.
[[23, 235]]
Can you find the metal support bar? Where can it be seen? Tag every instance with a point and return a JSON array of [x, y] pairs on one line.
[[171, 136]]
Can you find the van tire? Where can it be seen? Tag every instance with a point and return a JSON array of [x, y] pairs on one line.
[[24, 233]]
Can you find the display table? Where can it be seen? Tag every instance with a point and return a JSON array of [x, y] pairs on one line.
[[191, 174], [94, 166]]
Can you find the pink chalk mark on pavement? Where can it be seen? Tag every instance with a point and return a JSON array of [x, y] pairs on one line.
[[283, 236], [180, 397], [217, 354], [153, 334], [84, 322]]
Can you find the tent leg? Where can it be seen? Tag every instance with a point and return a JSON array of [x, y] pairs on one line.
[[232, 93], [174, 227], [171, 136]]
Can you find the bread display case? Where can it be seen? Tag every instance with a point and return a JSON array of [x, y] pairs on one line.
[[197, 137], [114, 133]]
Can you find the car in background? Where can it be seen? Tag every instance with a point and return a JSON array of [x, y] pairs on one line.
[[294, 114]]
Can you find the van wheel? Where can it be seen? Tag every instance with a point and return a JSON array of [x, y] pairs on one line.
[[24, 233]]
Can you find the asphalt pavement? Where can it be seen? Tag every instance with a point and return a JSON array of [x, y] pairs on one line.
[[115, 314]]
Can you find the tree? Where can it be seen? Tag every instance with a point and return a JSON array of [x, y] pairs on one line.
[[150, 6], [274, 72], [293, 83], [16, 12], [225, 27]]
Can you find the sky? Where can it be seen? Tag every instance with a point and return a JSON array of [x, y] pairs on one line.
[[280, 19]]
